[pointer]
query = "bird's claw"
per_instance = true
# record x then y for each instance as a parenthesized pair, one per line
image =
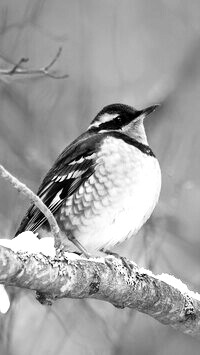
(126, 263)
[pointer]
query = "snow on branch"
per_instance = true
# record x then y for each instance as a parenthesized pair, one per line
(22, 188)
(70, 276)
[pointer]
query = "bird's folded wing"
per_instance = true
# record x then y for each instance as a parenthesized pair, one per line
(71, 169)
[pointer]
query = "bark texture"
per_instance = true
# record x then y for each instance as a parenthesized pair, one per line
(106, 279)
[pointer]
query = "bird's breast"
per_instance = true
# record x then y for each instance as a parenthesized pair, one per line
(117, 199)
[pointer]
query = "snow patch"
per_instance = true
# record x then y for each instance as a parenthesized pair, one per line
(47, 246)
(29, 242)
(179, 285)
(4, 300)
(173, 281)
(63, 288)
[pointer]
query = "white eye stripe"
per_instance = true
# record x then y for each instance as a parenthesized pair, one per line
(106, 117)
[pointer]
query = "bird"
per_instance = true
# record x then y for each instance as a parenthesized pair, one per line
(104, 186)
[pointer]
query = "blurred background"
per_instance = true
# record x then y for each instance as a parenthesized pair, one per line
(137, 52)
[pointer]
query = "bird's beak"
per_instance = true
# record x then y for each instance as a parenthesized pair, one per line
(150, 109)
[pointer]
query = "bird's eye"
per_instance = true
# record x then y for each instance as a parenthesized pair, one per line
(118, 121)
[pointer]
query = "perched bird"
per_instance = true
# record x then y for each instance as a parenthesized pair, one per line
(104, 185)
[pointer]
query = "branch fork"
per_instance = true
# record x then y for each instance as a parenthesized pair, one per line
(18, 69)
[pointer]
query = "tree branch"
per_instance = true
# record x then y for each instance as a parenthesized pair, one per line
(16, 69)
(162, 297)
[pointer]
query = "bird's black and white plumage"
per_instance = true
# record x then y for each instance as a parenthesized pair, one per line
(105, 184)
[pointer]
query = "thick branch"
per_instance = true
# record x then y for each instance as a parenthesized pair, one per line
(107, 279)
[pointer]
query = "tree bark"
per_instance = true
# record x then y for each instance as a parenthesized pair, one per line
(163, 297)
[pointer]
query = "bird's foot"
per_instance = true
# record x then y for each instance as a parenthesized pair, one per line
(126, 263)
(78, 245)
(65, 248)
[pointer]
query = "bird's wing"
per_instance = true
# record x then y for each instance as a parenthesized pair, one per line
(71, 169)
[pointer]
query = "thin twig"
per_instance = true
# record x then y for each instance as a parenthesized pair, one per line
(17, 66)
(17, 70)
(54, 59)
(22, 188)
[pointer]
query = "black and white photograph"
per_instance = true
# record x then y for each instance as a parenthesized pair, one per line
(99, 177)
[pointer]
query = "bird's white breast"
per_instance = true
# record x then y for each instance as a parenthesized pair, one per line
(117, 199)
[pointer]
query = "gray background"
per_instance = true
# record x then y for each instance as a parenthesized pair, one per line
(136, 52)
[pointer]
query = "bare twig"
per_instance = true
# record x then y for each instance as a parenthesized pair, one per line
(160, 296)
(17, 66)
(53, 60)
(22, 188)
(17, 70)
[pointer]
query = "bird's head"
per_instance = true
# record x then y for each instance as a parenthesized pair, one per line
(122, 118)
